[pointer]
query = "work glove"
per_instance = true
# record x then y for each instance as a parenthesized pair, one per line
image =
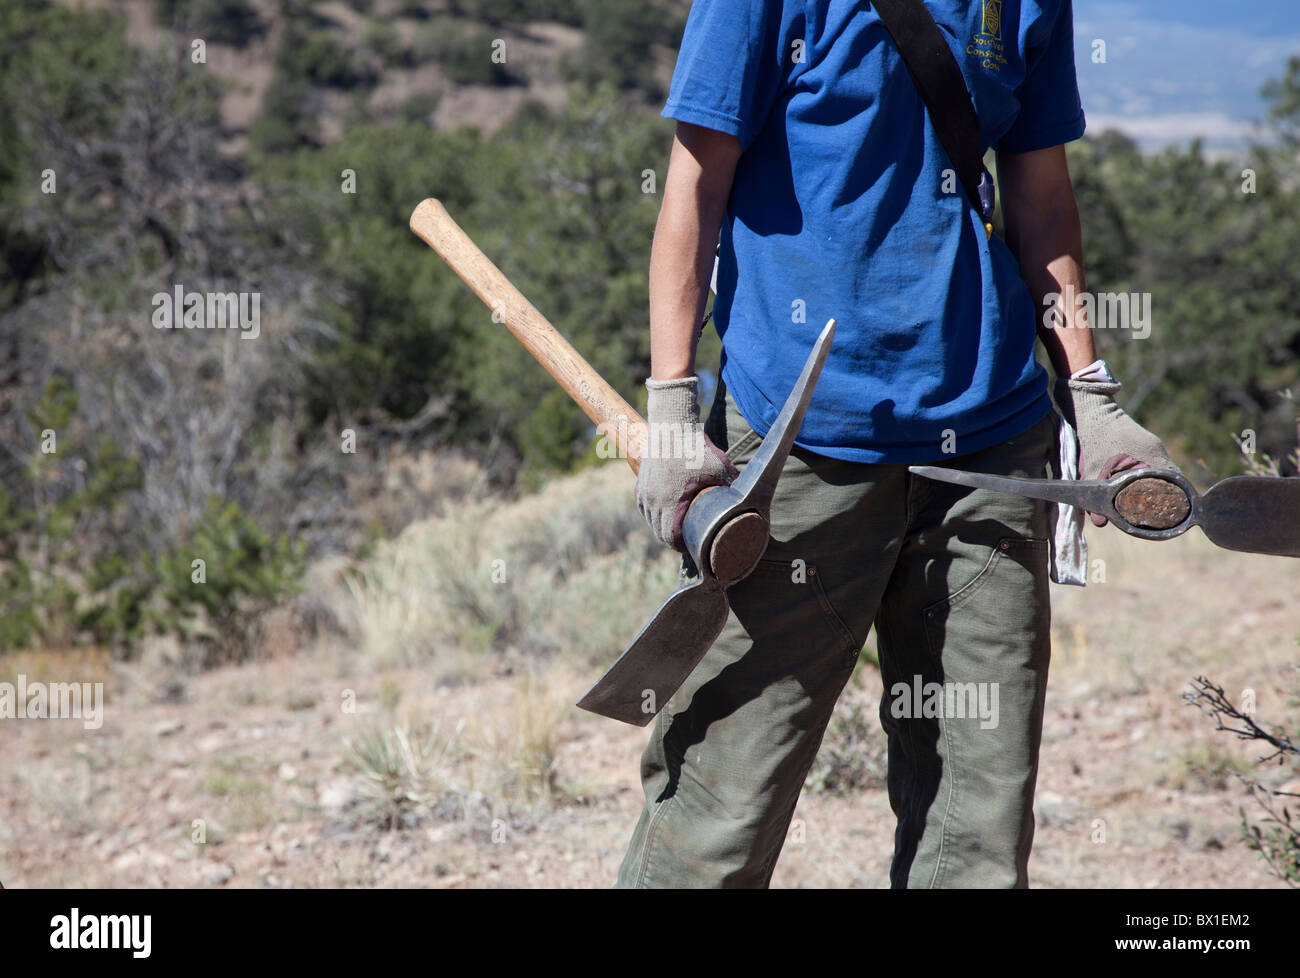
(1109, 440)
(678, 460)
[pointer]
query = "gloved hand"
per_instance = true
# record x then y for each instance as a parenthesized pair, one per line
(678, 460)
(1109, 440)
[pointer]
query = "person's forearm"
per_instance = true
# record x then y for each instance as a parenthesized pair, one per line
(681, 258)
(681, 263)
(1043, 230)
(1051, 261)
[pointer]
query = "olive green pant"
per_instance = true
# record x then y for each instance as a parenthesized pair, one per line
(956, 582)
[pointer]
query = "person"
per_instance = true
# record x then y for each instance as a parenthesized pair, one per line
(804, 156)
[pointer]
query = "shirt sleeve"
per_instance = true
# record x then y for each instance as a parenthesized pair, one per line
(1051, 112)
(730, 66)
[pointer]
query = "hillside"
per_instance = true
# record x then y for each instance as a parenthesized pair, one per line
(409, 60)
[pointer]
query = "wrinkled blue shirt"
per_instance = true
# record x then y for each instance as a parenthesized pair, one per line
(845, 205)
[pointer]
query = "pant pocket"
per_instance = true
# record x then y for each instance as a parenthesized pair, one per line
(1009, 592)
(771, 575)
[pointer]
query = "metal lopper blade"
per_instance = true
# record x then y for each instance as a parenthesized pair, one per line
(1248, 513)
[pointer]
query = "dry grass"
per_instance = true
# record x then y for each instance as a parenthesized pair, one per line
(402, 770)
(571, 569)
(521, 750)
(87, 665)
(497, 756)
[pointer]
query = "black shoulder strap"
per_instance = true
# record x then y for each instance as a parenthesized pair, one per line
(937, 77)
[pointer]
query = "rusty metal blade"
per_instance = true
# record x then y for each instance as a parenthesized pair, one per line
(1253, 514)
(660, 658)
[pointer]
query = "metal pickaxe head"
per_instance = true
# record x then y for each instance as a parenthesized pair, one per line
(726, 533)
(725, 528)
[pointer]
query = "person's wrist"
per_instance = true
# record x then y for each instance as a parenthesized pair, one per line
(1095, 372)
(1082, 401)
(673, 401)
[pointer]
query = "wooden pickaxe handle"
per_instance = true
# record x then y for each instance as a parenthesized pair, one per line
(600, 402)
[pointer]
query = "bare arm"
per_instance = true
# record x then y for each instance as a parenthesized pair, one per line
(700, 171)
(1042, 229)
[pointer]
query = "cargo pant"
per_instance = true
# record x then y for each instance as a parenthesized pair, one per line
(956, 582)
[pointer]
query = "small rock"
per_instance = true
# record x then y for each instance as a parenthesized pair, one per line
(1052, 809)
(165, 728)
(170, 690)
(336, 795)
(288, 772)
(221, 874)
(1180, 829)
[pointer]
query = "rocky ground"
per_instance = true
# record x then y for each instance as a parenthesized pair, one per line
(241, 777)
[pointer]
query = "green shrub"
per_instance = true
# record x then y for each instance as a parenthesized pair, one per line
(418, 108)
(234, 22)
(462, 51)
(852, 754)
(71, 572)
(319, 57)
(287, 119)
(520, 12)
(382, 40)
(244, 572)
(619, 43)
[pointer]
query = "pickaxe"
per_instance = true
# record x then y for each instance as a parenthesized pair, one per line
(725, 528)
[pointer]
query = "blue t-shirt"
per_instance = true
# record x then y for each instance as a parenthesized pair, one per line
(841, 208)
